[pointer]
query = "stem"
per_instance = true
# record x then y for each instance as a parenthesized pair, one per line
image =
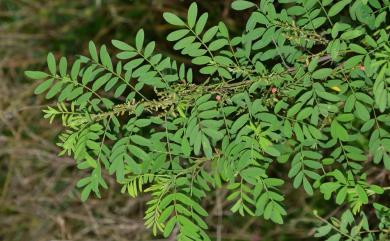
(333, 227)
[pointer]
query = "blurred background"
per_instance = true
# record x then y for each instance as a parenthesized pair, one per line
(38, 198)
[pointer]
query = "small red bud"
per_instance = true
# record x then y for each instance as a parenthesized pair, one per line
(274, 90)
(218, 98)
(362, 68)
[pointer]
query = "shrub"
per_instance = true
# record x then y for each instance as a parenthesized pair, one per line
(304, 88)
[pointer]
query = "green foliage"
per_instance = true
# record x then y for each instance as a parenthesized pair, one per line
(302, 87)
(350, 227)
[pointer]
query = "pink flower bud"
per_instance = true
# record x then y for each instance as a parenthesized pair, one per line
(218, 98)
(274, 90)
